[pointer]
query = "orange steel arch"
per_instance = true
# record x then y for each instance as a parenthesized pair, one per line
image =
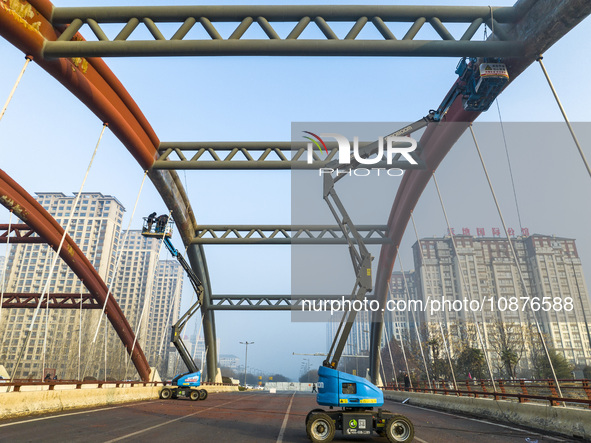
(27, 26)
(25, 207)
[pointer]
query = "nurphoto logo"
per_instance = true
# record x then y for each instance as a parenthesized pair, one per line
(386, 149)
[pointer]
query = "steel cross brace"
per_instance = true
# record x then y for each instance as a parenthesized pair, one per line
(266, 302)
(251, 156)
(21, 233)
(284, 234)
(56, 301)
(273, 30)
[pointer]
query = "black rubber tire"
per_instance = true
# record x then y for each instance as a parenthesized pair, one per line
(202, 394)
(165, 393)
(312, 412)
(194, 396)
(399, 429)
(320, 428)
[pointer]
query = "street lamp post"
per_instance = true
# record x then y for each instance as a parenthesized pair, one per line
(246, 357)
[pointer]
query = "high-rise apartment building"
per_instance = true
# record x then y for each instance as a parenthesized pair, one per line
(548, 286)
(397, 323)
(138, 280)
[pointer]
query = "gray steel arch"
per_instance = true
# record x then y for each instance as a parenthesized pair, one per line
(172, 192)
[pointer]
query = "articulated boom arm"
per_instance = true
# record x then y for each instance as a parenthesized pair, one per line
(361, 259)
(360, 256)
(177, 328)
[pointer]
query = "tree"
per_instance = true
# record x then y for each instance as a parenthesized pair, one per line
(438, 354)
(309, 377)
(471, 361)
(279, 378)
(562, 367)
(393, 353)
(228, 372)
(508, 341)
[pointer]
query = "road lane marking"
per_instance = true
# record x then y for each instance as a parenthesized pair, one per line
(171, 421)
(525, 431)
(90, 411)
(284, 424)
(420, 440)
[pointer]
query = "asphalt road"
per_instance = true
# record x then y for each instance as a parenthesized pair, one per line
(239, 417)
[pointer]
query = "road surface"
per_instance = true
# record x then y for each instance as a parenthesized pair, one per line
(239, 417)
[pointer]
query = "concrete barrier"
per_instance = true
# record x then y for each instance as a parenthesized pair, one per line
(567, 421)
(18, 404)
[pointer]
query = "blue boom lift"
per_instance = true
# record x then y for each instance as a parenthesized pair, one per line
(478, 84)
(185, 384)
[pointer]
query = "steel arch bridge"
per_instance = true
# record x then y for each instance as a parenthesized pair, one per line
(50, 36)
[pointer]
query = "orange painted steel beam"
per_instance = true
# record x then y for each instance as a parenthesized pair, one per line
(56, 301)
(26, 208)
(27, 27)
(21, 233)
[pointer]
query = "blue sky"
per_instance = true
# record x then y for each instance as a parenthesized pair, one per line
(47, 137)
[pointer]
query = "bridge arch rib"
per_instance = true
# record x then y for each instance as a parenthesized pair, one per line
(28, 27)
(25, 207)
(542, 24)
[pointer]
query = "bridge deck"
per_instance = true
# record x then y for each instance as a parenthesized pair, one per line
(238, 417)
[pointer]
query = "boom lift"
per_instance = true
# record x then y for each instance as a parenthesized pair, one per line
(187, 383)
(478, 85)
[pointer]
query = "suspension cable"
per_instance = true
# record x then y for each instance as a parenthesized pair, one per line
(147, 301)
(570, 128)
(414, 319)
(80, 335)
(438, 313)
(5, 264)
(118, 261)
(28, 58)
(465, 287)
(56, 257)
(198, 335)
(39, 329)
(511, 247)
(46, 330)
(105, 350)
(392, 362)
(401, 341)
(382, 338)
(113, 276)
(387, 343)
(509, 164)
(167, 317)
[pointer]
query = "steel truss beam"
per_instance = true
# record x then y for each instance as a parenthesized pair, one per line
(21, 233)
(254, 155)
(267, 302)
(276, 30)
(56, 301)
(285, 235)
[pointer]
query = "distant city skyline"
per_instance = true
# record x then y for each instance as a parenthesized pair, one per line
(146, 288)
(552, 270)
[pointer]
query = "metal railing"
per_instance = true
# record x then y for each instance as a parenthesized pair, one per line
(575, 392)
(50, 385)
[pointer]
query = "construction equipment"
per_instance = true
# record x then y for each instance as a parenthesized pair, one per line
(185, 384)
(355, 396)
(478, 84)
